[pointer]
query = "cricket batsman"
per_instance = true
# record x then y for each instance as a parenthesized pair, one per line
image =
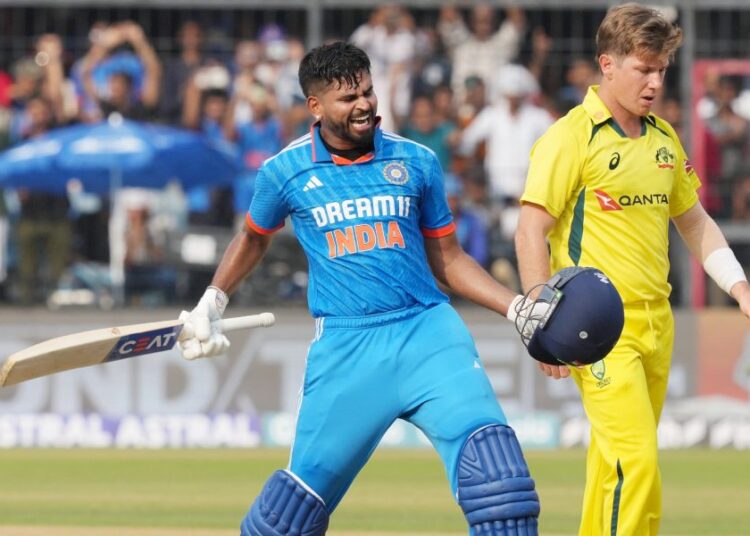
(603, 184)
(369, 209)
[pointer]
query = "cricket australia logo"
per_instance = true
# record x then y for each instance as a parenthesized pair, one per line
(396, 173)
(664, 159)
(599, 370)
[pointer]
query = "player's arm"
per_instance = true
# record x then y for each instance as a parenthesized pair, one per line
(458, 271)
(534, 222)
(134, 35)
(202, 335)
(707, 243)
(242, 255)
(202, 332)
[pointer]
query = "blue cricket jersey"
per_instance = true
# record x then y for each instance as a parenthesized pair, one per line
(361, 224)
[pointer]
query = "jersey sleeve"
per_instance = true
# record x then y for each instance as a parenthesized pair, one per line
(268, 209)
(685, 188)
(554, 170)
(436, 218)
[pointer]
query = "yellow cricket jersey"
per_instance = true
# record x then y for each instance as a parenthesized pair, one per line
(612, 196)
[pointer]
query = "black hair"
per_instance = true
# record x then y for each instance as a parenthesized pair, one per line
(125, 76)
(339, 61)
(215, 92)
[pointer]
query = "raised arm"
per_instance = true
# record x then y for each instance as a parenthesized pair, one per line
(133, 34)
(191, 105)
(49, 55)
(107, 39)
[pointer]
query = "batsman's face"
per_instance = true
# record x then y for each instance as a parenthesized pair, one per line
(635, 80)
(346, 112)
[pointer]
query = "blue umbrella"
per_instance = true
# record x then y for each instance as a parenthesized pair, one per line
(117, 153)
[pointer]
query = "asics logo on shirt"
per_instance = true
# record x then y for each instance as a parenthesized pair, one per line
(614, 161)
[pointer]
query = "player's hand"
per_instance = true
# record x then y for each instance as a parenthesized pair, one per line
(554, 371)
(526, 314)
(741, 293)
(201, 334)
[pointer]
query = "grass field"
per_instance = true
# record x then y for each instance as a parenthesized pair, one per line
(206, 493)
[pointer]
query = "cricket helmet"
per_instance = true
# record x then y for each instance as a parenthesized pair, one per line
(576, 319)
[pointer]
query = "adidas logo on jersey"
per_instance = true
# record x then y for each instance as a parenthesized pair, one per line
(313, 183)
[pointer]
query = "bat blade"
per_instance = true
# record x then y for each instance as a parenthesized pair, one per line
(89, 348)
(104, 345)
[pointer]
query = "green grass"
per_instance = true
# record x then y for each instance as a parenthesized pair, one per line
(706, 492)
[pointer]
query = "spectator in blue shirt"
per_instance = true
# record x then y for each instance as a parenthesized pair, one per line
(471, 228)
(257, 139)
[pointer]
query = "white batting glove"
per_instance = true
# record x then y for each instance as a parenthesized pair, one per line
(526, 314)
(201, 334)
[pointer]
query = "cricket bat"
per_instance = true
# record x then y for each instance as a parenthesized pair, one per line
(104, 346)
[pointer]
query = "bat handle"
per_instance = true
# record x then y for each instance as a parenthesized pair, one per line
(261, 320)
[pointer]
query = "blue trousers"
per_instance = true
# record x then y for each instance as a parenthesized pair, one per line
(418, 364)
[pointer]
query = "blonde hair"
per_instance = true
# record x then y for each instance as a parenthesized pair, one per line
(635, 29)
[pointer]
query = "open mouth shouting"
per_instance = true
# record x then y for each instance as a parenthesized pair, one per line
(362, 124)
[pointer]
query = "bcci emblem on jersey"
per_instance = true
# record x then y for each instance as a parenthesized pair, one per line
(396, 173)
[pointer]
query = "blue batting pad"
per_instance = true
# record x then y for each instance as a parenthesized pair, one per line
(495, 489)
(285, 507)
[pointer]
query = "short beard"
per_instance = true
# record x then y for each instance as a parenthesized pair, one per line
(342, 131)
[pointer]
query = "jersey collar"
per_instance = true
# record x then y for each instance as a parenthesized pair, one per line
(600, 114)
(321, 154)
(594, 106)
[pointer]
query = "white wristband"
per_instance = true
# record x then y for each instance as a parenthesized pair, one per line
(722, 266)
(217, 297)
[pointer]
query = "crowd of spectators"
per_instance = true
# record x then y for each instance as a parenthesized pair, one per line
(472, 87)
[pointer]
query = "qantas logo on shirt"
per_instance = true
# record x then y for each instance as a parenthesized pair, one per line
(606, 202)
